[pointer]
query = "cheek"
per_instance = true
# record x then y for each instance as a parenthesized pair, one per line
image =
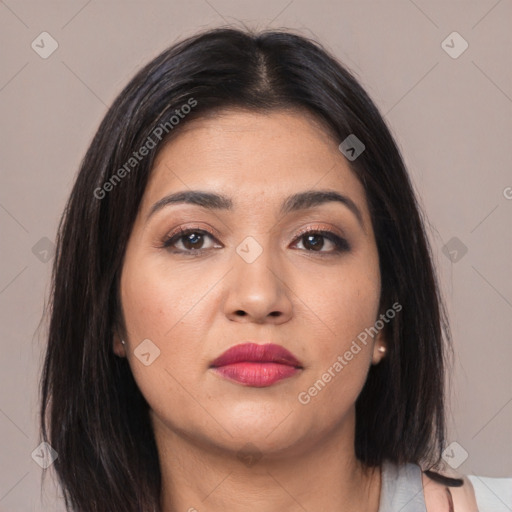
(157, 300)
(156, 306)
(160, 306)
(353, 308)
(343, 300)
(345, 306)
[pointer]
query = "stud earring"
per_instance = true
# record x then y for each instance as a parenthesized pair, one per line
(123, 342)
(382, 349)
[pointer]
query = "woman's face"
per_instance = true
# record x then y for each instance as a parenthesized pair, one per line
(246, 272)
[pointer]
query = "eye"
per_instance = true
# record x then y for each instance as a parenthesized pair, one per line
(192, 241)
(314, 241)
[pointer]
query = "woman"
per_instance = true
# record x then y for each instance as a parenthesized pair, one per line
(244, 312)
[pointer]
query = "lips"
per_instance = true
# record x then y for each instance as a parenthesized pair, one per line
(256, 353)
(257, 365)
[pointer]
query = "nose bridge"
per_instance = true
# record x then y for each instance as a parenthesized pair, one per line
(254, 262)
(257, 287)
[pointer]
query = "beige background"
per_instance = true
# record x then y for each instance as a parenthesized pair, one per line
(452, 118)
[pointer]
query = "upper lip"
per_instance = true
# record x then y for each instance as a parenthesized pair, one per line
(254, 352)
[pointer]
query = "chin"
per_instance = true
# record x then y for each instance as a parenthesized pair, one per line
(269, 430)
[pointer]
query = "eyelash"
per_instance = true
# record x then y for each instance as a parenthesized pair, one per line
(341, 245)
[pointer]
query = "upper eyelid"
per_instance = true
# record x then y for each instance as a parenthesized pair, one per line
(301, 231)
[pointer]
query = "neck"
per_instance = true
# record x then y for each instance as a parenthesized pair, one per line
(325, 476)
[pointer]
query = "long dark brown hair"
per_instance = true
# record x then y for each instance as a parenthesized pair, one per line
(92, 412)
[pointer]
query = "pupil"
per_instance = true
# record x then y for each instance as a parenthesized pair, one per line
(314, 245)
(190, 237)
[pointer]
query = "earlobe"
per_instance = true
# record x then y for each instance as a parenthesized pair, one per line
(380, 347)
(379, 352)
(119, 346)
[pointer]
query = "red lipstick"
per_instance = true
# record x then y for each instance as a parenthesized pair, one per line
(256, 365)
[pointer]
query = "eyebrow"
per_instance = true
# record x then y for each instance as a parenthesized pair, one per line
(293, 203)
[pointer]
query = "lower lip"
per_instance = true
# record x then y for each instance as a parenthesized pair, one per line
(258, 375)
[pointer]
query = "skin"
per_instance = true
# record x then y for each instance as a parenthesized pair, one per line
(436, 500)
(290, 295)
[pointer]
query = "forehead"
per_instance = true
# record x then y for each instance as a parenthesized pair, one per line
(255, 158)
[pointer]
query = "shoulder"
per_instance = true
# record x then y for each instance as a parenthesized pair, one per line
(441, 498)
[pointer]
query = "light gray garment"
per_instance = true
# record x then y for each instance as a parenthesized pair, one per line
(401, 488)
(492, 494)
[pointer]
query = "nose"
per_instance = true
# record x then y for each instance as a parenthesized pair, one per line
(258, 291)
